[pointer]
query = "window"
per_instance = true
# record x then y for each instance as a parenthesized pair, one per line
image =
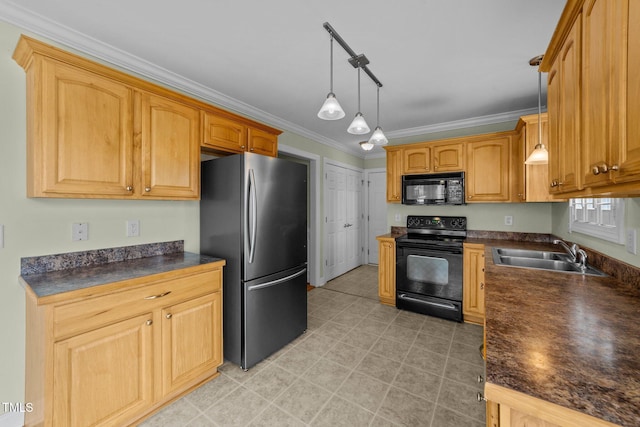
(602, 218)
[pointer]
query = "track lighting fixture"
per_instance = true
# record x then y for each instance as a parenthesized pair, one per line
(359, 125)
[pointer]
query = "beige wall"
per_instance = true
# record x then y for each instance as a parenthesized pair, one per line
(43, 226)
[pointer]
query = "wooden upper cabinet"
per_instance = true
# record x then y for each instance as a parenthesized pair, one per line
(227, 134)
(601, 38)
(416, 160)
(628, 149)
(594, 99)
(170, 148)
(448, 157)
(79, 134)
(224, 133)
(394, 174)
(488, 169)
(261, 142)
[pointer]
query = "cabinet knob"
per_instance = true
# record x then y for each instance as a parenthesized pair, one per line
(480, 397)
(251, 149)
(149, 322)
(469, 197)
(480, 379)
(481, 285)
(129, 188)
(242, 146)
(147, 189)
(169, 316)
(435, 167)
(615, 168)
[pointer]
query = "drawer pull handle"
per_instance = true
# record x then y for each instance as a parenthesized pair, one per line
(169, 316)
(158, 296)
(149, 322)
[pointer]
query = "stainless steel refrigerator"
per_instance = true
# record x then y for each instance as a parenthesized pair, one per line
(253, 213)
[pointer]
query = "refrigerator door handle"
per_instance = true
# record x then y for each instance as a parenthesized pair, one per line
(252, 205)
(278, 281)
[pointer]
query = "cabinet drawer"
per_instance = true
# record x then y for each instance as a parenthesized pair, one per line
(71, 319)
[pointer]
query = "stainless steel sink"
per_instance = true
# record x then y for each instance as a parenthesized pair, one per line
(541, 260)
(527, 253)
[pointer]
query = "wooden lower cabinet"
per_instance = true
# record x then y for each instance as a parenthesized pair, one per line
(123, 351)
(473, 283)
(387, 270)
(510, 408)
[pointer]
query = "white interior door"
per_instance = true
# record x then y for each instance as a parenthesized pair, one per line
(343, 217)
(376, 212)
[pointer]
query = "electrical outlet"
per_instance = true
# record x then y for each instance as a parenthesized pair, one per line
(398, 217)
(508, 220)
(632, 243)
(133, 228)
(79, 231)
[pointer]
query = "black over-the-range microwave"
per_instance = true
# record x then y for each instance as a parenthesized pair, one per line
(433, 189)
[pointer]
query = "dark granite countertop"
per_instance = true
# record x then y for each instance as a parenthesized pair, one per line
(50, 276)
(568, 339)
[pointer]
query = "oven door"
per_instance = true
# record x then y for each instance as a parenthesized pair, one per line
(429, 281)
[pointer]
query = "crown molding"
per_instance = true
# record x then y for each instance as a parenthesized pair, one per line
(461, 124)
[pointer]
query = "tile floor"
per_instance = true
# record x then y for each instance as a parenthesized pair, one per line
(360, 363)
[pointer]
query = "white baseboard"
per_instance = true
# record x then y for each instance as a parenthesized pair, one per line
(12, 419)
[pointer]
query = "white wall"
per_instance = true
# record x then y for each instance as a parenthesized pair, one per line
(43, 226)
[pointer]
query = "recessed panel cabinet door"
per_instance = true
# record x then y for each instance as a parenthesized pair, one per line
(191, 340)
(170, 135)
(487, 178)
(85, 145)
(104, 377)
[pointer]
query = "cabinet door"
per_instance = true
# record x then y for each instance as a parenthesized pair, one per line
(599, 69)
(416, 160)
(629, 146)
(387, 271)
(448, 157)
(191, 341)
(224, 134)
(104, 377)
(261, 142)
(473, 284)
(536, 177)
(487, 177)
(86, 144)
(170, 156)
(568, 75)
(394, 175)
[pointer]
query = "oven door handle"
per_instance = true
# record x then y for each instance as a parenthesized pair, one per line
(437, 304)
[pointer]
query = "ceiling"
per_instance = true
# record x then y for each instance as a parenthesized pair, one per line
(443, 64)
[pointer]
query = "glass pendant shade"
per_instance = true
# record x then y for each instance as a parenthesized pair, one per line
(366, 145)
(539, 156)
(359, 125)
(331, 109)
(378, 137)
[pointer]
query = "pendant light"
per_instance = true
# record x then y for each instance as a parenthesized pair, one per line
(366, 145)
(359, 125)
(378, 137)
(540, 155)
(331, 109)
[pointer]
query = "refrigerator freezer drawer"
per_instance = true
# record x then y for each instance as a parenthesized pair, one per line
(275, 313)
